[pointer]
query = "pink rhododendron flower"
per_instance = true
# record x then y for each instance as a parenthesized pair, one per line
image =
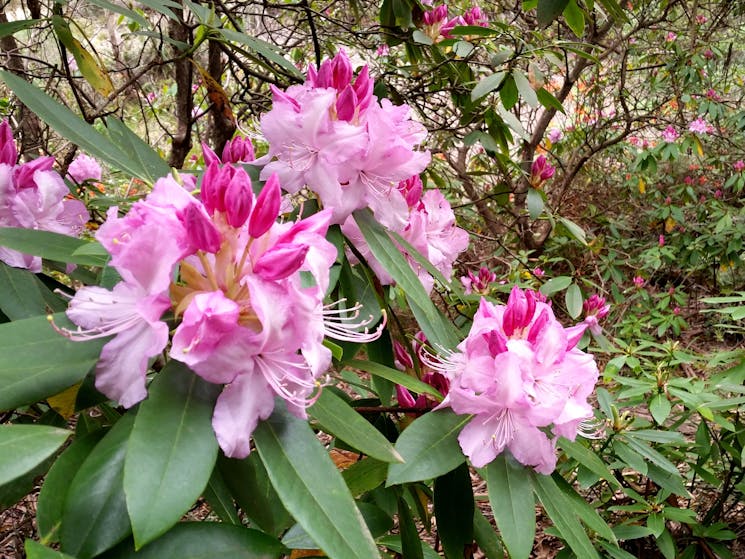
(669, 134)
(430, 229)
(699, 126)
(671, 36)
(540, 171)
(231, 273)
(474, 16)
(538, 272)
(638, 282)
(84, 168)
(520, 375)
(334, 136)
(555, 135)
(405, 362)
(478, 283)
(33, 196)
(738, 165)
(595, 309)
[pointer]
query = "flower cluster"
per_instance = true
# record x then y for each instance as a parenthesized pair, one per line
(34, 196)
(478, 283)
(405, 362)
(521, 376)
(540, 171)
(429, 227)
(333, 136)
(231, 273)
(436, 22)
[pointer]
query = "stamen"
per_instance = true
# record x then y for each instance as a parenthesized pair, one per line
(208, 270)
(447, 364)
(279, 383)
(340, 324)
(591, 428)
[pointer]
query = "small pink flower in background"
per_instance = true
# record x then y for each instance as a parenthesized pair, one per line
(699, 126)
(478, 283)
(676, 311)
(718, 194)
(84, 168)
(382, 50)
(595, 309)
(540, 171)
(151, 97)
(661, 240)
(555, 135)
(701, 19)
(34, 196)
(633, 140)
(668, 200)
(639, 282)
(688, 180)
(521, 376)
(474, 16)
(713, 95)
(670, 134)
(538, 272)
(671, 36)
(738, 165)
(708, 54)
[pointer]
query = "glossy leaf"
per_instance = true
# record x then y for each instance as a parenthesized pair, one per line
(217, 494)
(338, 418)
(171, 451)
(20, 293)
(411, 546)
(486, 537)
(535, 203)
(365, 475)
(311, 487)
(439, 331)
(53, 493)
(554, 285)
(35, 550)
(22, 447)
(583, 510)
(396, 377)
(526, 90)
(52, 246)
(394, 543)
(72, 127)
(36, 361)
(575, 18)
(513, 505)
(429, 447)
(204, 540)
(563, 514)
(588, 459)
(95, 512)
(549, 10)
(454, 509)
(487, 85)
(250, 486)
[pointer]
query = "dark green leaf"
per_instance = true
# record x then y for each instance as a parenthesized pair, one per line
(513, 505)
(563, 512)
(394, 543)
(171, 451)
(52, 246)
(652, 455)
(411, 546)
(486, 537)
(95, 513)
(575, 18)
(588, 459)
(364, 476)
(11, 27)
(535, 203)
(584, 511)
(71, 126)
(53, 493)
(548, 100)
(508, 92)
(204, 540)
(660, 407)
(439, 331)
(35, 550)
(149, 163)
(454, 509)
(22, 447)
(250, 485)
(574, 230)
(20, 293)
(667, 480)
(217, 494)
(487, 85)
(554, 285)
(630, 457)
(526, 90)
(429, 447)
(395, 376)
(549, 10)
(573, 300)
(339, 419)
(36, 361)
(311, 487)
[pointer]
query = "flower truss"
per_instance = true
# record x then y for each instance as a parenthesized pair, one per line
(33, 196)
(236, 279)
(520, 375)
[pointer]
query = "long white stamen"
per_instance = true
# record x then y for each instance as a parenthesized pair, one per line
(445, 361)
(342, 324)
(276, 375)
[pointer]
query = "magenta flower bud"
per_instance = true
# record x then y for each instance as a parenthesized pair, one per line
(540, 171)
(402, 357)
(238, 150)
(412, 189)
(519, 311)
(638, 282)
(341, 71)
(538, 325)
(404, 397)
(266, 209)
(210, 156)
(437, 381)
(215, 182)
(363, 88)
(203, 235)
(596, 306)
(8, 151)
(280, 261)
(661, 240)
(738, 165)
(346, 104)
(238, 199)
(496, 342)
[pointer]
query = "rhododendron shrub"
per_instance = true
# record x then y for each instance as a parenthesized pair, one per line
(222, 321)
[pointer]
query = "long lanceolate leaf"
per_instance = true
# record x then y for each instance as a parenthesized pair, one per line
(312, 488)
(37, 362)
(75, 129)
(439, 331)
(24, 446)
(513, 505)
(171, 451)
